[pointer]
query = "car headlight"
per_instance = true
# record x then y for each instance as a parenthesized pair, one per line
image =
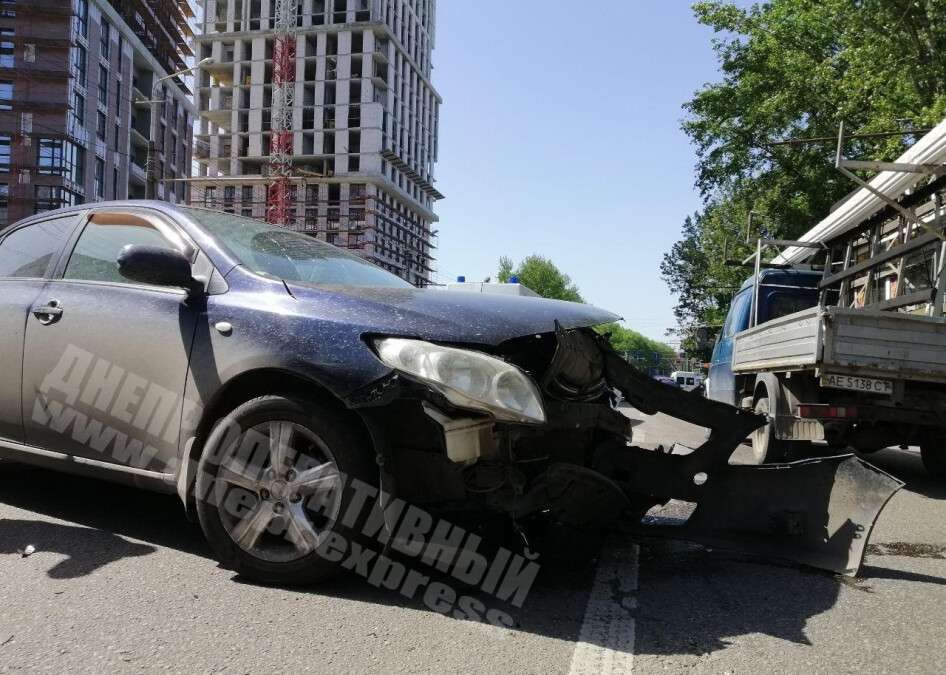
(468, 379)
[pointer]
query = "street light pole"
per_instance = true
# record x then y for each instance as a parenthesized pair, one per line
(150, 173)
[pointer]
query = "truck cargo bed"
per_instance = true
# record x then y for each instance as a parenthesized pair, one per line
(842, 340)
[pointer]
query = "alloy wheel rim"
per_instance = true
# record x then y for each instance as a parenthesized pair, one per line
(278, 491)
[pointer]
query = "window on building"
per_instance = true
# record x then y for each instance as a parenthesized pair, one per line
(73, 163)
(4, 202)
(103, 85)
(100, 177)
(5, 140)
(105, 39)
(8, 8)
(60, 158)
(6, 95)
(49, 197)
(82, 17)
(246, 194)
(78, 64)
(7, 48)
(78, 108)
(49, 157)
(101, 124)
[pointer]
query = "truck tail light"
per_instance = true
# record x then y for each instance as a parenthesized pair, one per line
(826, 411)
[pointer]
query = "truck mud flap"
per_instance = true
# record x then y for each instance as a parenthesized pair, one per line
(817, 512)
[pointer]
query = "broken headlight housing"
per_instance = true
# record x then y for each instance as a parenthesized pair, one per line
(466, 378)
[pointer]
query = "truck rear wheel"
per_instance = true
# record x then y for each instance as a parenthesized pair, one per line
(933, 454)
(766, 447)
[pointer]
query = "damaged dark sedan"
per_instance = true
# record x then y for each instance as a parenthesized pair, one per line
(258, 372)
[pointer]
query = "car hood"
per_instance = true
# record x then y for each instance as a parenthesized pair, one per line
(445, 316)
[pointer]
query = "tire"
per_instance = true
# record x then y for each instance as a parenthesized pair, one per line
(933, 454)
(766, 448)
(273, 481)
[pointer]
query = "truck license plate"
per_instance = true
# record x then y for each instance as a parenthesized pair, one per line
(868, 385)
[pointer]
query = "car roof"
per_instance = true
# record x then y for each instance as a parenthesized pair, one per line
(179, 213)
(164, 207)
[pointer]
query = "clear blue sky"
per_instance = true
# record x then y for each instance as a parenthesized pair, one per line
(560, 135)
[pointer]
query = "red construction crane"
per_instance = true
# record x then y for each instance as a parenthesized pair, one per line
(284, 86)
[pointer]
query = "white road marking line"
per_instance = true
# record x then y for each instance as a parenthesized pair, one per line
(606, 642)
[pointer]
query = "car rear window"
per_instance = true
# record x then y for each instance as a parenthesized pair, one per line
(28, 251)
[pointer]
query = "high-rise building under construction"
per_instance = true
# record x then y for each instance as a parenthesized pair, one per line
(320, 115)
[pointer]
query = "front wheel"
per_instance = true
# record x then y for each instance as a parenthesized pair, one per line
(273, 482)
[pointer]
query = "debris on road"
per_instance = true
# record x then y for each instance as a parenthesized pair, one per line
(26, 552)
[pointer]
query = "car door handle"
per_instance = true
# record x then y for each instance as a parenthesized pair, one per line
(48, 313)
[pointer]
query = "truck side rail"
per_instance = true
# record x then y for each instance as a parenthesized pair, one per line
(790, 342)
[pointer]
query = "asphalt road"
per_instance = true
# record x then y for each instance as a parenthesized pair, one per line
(122, 581)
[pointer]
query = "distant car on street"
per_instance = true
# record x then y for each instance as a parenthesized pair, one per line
(688, 381)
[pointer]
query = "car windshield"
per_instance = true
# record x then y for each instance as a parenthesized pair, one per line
(292, 256)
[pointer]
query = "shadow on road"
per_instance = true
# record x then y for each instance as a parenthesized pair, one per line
(694, 602)
(111, 511)
(691, 601)
(86, 550)
(908, 467)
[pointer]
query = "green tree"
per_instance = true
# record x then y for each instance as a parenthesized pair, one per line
(542, 276)
(640, 349)
(796, 69)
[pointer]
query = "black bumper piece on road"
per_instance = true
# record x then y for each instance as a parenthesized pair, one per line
(816, 512)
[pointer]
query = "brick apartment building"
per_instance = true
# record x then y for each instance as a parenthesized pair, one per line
(75, 78)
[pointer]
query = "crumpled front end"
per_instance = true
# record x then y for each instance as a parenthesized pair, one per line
(567, 481)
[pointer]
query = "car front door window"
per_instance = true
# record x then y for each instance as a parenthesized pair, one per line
(105, 235)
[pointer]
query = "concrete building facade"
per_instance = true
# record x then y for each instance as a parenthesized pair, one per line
(365, 123)
(75, 76)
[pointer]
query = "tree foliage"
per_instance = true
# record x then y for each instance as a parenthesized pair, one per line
(795, 69)
(637, 347)
(542, 276)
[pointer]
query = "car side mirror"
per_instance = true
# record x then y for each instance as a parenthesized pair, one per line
(156, 266)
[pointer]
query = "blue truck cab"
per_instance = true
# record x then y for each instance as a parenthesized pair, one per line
(781, 292)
